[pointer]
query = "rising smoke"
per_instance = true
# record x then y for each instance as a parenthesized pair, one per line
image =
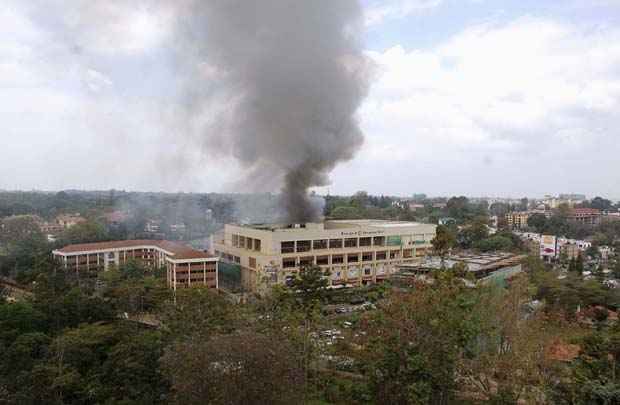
(293, 75)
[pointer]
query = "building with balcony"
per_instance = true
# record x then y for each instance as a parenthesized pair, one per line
(517, 220)
(185, 267)
(585, 216)
(355, 252)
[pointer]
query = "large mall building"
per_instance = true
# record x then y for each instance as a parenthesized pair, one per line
(356, 252)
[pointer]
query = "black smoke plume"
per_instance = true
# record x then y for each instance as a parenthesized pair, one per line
(293, 75)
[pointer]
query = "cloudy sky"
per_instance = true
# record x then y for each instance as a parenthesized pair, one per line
(475, 97)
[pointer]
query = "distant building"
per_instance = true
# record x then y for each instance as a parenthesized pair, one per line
(415, 206)
(517, 220)
(585, 216)
(177, 228)
(67, 221)
(573, 197)
(605, 252)
(115, 218)
(446, 221)
(184, 266)
(570, 251)
(356, 252)
(153, 226)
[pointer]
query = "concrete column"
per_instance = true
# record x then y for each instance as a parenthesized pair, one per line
(189, 274)
(204, 272)
(174, 276)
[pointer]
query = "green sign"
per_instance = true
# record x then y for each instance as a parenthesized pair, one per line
(394, 240)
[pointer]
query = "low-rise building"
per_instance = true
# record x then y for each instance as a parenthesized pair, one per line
(483, 267)
(184, 266)
(354, 251)
(585, 216)
(66, 221)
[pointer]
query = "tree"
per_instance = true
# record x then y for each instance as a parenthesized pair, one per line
(417, 339)
(472, 234)
(241, 368)
(592, 252)
(344, 212)
(310, 286)
(579, 264)
(458, 208)
(199, 311)
(538, 222)
(85, 232)
(600, 203)
(443, 241)
(499, 209)
(495, 243)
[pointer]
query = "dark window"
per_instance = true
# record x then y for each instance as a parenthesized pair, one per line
(335, 243)
(257, 245)
(322, 260)
(353, 258)
(303, 245)
(319, 244)
(306, 261)
(287, 247)
(288, 263)
(242, 242)
(394, 254)
(365, 241)
(252, 262)
(350, 242)
(367, 257)
(367, 271)
(337, 259)
(379, 240)
(235, 240)
(381, 255)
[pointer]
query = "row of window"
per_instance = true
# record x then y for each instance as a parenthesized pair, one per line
(301, 246)
(291, 262)
(245, 242)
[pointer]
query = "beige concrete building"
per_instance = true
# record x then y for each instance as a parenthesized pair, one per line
(517, 220)
(355, 252)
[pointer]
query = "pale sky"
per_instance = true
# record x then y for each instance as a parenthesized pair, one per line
(474, 97)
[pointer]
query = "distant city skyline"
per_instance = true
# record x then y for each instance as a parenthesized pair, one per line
(470, 97)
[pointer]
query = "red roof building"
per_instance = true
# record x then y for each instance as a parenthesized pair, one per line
(184, 265)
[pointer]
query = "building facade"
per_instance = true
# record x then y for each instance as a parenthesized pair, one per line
(517, 220)
(585, 216)
(355, 252)
(184, 266)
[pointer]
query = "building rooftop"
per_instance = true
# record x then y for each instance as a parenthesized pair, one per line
(333, 224)
(177, 250)
(475, 262)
